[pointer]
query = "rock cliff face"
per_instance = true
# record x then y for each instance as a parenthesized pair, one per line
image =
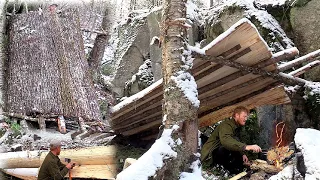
(305, 23)
(136, 41)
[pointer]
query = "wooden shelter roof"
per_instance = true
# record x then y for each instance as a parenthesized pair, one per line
(220, 87)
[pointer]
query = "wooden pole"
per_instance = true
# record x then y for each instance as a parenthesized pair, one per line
(304, 69)
(300, 60)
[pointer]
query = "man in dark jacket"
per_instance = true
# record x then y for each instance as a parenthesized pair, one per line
(52, 168)
(224, 148)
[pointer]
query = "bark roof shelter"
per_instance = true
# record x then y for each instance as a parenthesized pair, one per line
(47, 70)
(221, 88)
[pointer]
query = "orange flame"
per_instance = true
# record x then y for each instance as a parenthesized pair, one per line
(277, 164)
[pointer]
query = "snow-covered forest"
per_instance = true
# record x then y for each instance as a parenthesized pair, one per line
(133, 89)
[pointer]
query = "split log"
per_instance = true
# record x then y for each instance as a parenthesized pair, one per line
(304, 69)
(22, 159)
(300, 60)
(85, 171)
(238, 176)
(101, 155)
(264, 166)
(23, 173)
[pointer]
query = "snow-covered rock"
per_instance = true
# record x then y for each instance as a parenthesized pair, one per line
(308, 142)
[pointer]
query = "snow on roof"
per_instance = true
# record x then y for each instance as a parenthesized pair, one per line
(147, 165)
(136, 97)
(225, 34)
(308, 141)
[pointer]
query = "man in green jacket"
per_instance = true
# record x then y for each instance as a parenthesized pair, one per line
(223, 146)
(52, 168)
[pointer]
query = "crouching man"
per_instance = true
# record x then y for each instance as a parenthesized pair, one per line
(223, 146)
(52, 168)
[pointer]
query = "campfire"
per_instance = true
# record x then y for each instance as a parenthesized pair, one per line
(276, 156)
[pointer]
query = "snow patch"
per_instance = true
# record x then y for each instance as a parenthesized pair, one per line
(147, 165)
(196, 172)
(286, 173)
(308, 141)
(187, 84)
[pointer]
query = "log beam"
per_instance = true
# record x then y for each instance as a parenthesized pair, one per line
(304, 69)
(300, 60)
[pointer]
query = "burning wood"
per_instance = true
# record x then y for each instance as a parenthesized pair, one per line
(278, 154)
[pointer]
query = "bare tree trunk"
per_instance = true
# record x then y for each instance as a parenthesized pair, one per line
(100, 43)
(2, 48)
(178, 109)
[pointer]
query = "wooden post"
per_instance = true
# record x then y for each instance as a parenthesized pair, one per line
(42, 124)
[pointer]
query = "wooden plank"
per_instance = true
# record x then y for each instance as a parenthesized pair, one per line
(22, 159)
(243, 33)
(156, 123)
(239, 99)
(261, 99)
(242, 91)
(94, 171)
(142, 109)
(156, 115)
(154, 92)
(84, 171)
(230, 84)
